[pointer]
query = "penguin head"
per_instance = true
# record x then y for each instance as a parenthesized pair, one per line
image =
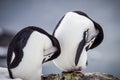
(52, 52)
(89, 42)
(96, 40)
(99, 37)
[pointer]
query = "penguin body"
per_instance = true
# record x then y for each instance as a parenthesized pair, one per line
(76, 33)
(27, 51)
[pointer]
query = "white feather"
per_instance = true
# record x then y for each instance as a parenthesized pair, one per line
(69, 34)
(30, 67)
(50, 50)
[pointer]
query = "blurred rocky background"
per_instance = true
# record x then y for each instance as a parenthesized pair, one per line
(17, 14)
(5, 39)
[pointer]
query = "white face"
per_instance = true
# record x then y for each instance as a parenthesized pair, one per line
(70, 34)
(89, 43)
(48, 53)
(46, 57)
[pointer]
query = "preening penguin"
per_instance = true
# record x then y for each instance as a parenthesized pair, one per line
(31, 47)
(76, 33)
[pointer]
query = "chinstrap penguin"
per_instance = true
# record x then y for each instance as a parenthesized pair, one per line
(31, 47)
(77, 33)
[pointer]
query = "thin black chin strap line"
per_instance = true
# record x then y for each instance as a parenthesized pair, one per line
(80, 48)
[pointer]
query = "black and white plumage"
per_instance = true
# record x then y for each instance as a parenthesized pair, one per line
(31, 47)
(76, 33)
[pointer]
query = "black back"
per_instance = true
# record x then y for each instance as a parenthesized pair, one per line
(18, 43)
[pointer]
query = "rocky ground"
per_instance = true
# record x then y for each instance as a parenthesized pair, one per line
(65, 76)
(80, 76)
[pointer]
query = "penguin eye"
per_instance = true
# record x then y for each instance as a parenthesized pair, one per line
(91, 42)
(93, 39)
(47, 57)
(51, 55)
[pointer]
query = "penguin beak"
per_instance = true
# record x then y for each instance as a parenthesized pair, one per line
(80, 48)
(48, 54)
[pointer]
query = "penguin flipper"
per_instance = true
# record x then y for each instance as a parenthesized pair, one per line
(80, 48)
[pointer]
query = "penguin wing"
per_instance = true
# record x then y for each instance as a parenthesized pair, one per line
(80, 47)
(16, 47)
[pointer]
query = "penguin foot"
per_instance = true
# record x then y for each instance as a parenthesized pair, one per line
(78, 69)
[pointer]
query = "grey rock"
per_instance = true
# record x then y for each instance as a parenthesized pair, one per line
(79, 76)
